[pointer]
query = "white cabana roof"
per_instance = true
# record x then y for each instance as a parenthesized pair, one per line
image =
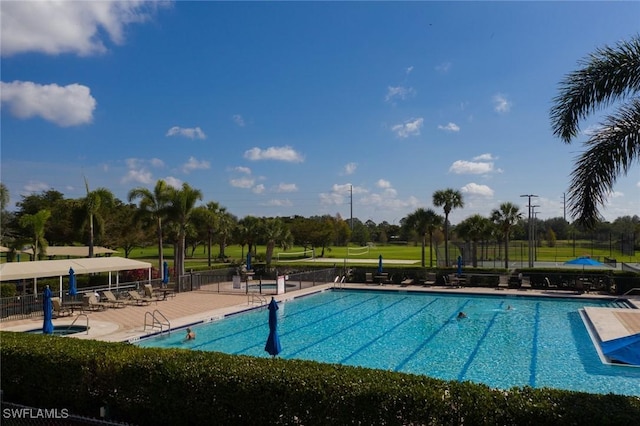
(57, 268)
(75, 251)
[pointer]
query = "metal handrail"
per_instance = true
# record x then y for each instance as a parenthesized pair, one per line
(252, 297)
(155, 321)
(626, 294)
(77, 318)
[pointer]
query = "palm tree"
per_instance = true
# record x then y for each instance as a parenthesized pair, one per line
(473, 228)
(424, 221)
(181, 202)
(275, 231)
(153, 206)
(36, 224)
(93, 206)
(449, 199)
(608, 75)
(226, 225)
(505, 217)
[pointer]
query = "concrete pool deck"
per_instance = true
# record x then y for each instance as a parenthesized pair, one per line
(127, 324)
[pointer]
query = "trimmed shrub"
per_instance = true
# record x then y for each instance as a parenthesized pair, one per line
(151, 386)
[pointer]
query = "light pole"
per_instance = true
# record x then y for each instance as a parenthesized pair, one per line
(529, 196)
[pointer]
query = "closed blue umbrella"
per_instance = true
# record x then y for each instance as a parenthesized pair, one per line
(273, 341)
(379, 264)
(249, 261)
(165, 272)
(459, 265)
(47, 326)
(72, 283)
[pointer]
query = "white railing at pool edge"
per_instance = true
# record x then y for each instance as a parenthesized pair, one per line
(253, 298)
(77, 318)
(155, 322)
(626, 294)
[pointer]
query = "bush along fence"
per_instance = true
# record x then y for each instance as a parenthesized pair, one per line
(149, 386)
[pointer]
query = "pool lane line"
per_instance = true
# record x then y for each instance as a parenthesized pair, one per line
(241, 351)
(254, 327)
(453, 316)
(343, 329)
(385, 332)
(534, 349)
(473, 354)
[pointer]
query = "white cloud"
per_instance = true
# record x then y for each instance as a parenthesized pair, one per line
(194, 164)
(142, 176)
(444, 67)
(287, 187)
(501, 104)
(340, 193)
(471, 167)
(284, 153)
(409, 69)
(242, 169)
(383, 184)
(615, 194)
(65, 106)
(477, 189)
(173, 182)
(242, 183)
(484, 157)
(399, 92)
(279, 203)
(638, 184)
(409, 128)
(239, 120)
(80, 27)
(258, 189)
(350, 168)
(451, 127)
(187, 132)
(156, 162)
(33, 186)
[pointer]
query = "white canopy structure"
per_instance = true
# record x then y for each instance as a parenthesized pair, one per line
(74, 251)
(11, 271)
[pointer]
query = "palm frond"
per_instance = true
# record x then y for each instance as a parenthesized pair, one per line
(612, 151)
(607, 75)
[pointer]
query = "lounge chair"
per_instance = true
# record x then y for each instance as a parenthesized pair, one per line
(406, 282)
(92, 303)
(149, 292)
(112, 301)
(136, 299)
(58, 309)
(368, 277)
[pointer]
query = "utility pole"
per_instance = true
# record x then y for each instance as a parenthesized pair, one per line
(564, 206)
(529, 196)
(351, 201)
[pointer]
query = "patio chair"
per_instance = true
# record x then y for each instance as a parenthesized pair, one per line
(92, 304)
(58, 309)
(112, 301)
(149, 292)
(368, 277)
(136, 299)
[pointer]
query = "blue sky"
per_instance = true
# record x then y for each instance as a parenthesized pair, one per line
(280, 108)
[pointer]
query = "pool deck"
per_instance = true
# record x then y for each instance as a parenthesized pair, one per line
(127, 324)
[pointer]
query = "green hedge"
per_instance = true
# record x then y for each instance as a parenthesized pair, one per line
(172, 386)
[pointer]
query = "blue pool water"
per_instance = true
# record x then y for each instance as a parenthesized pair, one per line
(539, 342)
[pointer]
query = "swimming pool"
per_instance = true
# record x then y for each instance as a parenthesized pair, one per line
(62, 330)
(538, 342)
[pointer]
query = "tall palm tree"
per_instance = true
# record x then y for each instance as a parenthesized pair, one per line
(505, 217)
(608, 75)
(275, 232)
(153, 206)
(181, 202)
(424, 221)
(226, 225)
(36, 224)
(473, 229)
(448, 199)
(93, 205)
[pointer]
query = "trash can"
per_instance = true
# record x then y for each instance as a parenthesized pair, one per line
(237, 283)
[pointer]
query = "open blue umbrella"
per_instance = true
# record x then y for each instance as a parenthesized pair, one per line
(72, 283)
(273, 341)
(379, 264)
(459, 266)
(165, 272)
(47, 326)
(584, 261)
(249, 261)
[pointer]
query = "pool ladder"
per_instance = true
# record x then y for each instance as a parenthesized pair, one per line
(256, 298)
(626, 294)
(155, 322)
(77, 318)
